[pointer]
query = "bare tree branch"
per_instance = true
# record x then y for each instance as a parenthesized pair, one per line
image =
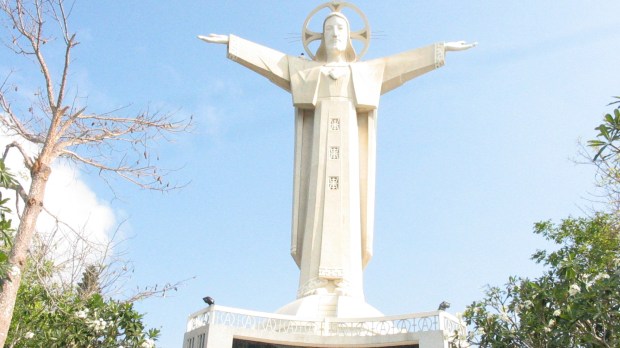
(13, 122)
(155, 291)
(135, 175)
(27, 158)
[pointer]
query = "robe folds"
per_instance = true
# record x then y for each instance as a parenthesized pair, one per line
(335, 150)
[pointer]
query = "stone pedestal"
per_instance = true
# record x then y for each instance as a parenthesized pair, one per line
(221, 327)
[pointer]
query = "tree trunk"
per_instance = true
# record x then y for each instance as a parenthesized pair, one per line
(19, 253)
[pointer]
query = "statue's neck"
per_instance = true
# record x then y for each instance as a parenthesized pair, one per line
(336, 64)
(336, 58)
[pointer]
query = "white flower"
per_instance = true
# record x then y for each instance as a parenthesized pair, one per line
(574, 290)
(502, 314)
(82, 314)
(527, 304)
(29, 335)
(504, 317)
(601, 276)
(148, 343)
(551, 322)
(557, 312)
(98, 324)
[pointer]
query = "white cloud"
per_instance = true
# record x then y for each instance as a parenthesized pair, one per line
(76, 225)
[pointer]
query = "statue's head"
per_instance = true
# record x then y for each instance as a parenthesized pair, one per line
(336, 39)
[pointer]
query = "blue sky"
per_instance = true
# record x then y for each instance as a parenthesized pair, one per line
(469, 156)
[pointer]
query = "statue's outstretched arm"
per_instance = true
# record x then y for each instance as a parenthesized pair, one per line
(459, 45)
(215, 38)
(402, 67)
(405, 66)
(260, 59)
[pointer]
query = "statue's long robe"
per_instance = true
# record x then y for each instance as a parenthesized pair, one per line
(335, 140)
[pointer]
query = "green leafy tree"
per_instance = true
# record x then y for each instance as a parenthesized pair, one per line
(575, 303)
(90, 281)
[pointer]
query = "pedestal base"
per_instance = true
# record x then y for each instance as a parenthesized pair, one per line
(221, 327)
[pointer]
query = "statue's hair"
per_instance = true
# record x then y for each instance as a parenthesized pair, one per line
(349, 53)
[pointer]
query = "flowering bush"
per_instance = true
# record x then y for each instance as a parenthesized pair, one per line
(50, 317)
(575, 303)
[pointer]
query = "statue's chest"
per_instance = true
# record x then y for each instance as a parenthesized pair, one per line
(335, 82)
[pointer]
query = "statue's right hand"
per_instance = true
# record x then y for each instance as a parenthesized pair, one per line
(215, 38)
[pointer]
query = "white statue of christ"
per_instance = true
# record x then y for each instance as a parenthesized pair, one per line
(335, 99)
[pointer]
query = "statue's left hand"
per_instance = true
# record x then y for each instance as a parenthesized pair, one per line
(459, 46)
(215, 38)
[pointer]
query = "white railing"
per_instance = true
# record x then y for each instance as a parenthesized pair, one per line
(275, 323)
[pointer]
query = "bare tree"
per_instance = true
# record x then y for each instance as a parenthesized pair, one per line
(61, 126)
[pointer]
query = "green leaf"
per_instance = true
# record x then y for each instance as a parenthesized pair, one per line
(599, 153)
(604, 131)
(596, 143)
(609, 119)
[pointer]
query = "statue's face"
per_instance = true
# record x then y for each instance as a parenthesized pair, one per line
(336, 34)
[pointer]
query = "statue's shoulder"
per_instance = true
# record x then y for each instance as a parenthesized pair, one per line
(302, 63)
